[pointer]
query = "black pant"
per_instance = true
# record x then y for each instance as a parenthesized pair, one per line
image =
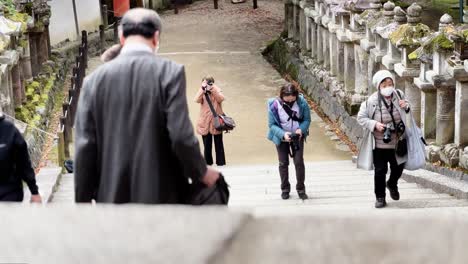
(219, 148)
(381, 159)
(283, 157)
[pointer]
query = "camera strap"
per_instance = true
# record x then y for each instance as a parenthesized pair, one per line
(210, 104)
(390, 111)
(291, 113)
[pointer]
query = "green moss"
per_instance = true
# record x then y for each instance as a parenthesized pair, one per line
(442, 42)
(438, 41)
(37, 96)
(12, 14)
(401, 4)
(408, 35)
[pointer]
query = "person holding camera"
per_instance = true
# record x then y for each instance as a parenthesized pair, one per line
(205, 125)
(383, 117)
(288, 122)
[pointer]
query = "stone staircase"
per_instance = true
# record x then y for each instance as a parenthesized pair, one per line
(47, 180)
(331, 185)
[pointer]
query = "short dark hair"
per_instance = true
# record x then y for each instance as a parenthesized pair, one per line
(141, 22)
(208, 79)
(288, 89)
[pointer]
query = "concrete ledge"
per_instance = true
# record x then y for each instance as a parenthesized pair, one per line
(116, 234)
(180, 234)
(438, 182)
(362, 238)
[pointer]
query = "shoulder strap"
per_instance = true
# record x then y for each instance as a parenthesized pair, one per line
(211, 105)
(291, 114)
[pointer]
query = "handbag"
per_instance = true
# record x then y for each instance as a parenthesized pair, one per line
(221, 122)
(365, 158)
(218, 194)
(416, 146)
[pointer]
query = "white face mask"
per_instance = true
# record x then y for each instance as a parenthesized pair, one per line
(387, 91)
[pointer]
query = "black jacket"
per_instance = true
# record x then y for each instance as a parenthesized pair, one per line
(134, 140)
(15, 164)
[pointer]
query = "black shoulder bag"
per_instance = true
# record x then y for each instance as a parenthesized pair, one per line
(221, 122)
(218, 194)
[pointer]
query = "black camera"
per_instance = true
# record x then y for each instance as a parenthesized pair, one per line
(387, 136)
(295, 146)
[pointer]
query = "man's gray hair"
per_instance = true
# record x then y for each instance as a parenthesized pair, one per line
(141, 21)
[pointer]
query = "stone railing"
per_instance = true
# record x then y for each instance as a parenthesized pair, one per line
(350, 40)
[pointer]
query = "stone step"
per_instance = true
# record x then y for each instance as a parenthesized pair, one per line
(47, 180)
(65, 191)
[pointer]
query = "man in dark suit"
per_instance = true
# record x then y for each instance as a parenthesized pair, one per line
(134, 140)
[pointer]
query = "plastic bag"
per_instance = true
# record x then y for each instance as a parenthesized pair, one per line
(416, 146)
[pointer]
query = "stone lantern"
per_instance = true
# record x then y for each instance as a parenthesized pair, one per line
(458, 69)
(338, 40)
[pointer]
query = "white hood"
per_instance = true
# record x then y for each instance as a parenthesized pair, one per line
(380, 76)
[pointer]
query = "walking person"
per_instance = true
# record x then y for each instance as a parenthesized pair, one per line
(134, 140)
(15, 165)
(205, 125)
(288, 122)
(383, 117)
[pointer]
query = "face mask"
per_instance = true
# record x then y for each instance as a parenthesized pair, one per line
(387, 91)
(290, 104)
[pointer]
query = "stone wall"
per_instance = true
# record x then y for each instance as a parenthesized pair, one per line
(65, 59)
(333, 48)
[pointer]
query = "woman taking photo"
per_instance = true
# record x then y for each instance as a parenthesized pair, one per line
(288, 122)
(205, 125)
(383, 117)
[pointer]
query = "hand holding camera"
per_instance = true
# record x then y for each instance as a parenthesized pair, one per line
(380, 127)
(207, 86)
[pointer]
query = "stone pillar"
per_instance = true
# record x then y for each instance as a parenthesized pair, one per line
(445, 85)
(42, 49)
(308, 30)
(349, 67)
(34, 54)
(319, 54)
(313, 39)
(289, 18)
(326, 48)
(460, 73)
(17, 88)
(26, 60)
(333, 44)
(6, 95)
(296, 30)
(428, 101)
(461, 114)
(302, 27)
(445, 127)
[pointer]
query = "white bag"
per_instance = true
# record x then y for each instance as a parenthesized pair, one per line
(365, 158)
(416, 146)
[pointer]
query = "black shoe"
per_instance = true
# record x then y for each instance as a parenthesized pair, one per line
(380, 203)
(394, 193)
(285, 195)
(303, 196)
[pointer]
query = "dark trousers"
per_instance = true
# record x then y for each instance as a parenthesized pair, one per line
(381, 159)
(219, 149)
(283, 157)
(11, 195)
